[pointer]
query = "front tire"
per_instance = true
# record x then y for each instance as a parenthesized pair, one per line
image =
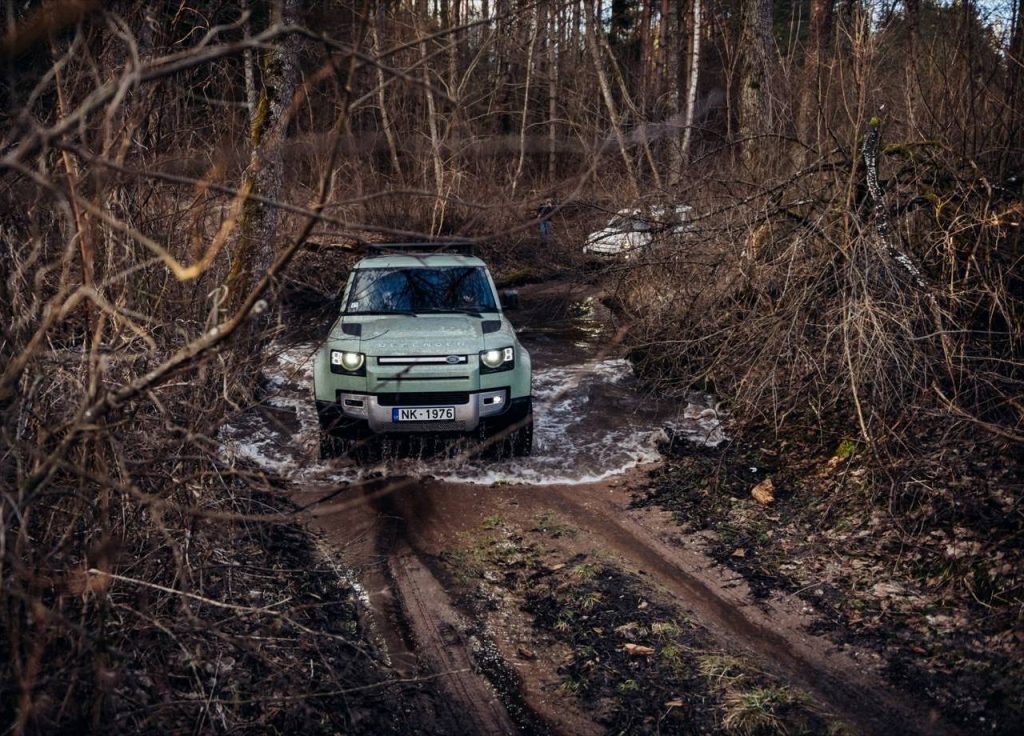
(332, 446)
(516, 433)
(521, 441)
(340, 436)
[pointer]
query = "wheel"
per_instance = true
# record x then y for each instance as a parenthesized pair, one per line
(521, 441)
(331, 446)
(341, 436)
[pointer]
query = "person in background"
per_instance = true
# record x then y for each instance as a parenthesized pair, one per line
(544, 213)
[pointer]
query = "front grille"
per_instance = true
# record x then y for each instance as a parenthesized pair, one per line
(426, 427)
(423, 360)
(431, 398)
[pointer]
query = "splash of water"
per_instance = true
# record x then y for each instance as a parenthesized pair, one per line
(590, 424)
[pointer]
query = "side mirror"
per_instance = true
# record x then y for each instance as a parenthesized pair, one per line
(509, 299)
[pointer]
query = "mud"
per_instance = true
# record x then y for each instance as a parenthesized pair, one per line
(429, 517)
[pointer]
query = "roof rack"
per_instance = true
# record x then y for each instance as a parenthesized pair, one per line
(458, 247)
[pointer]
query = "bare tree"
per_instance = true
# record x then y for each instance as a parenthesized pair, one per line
(758, 76)
(257, 242)
(614, 120)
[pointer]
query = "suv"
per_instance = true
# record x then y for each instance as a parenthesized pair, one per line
(630, 232)
(422, 346)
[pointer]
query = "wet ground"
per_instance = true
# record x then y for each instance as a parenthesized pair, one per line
(590, 421)
(468, 567)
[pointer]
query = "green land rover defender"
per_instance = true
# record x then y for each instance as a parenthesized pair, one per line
(422, 346)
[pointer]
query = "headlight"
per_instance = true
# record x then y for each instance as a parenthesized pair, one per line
(343, 361)
(502, 359)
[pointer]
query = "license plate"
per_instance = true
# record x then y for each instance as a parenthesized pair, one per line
(425, 414)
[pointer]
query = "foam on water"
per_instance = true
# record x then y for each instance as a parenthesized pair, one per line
(589, 425)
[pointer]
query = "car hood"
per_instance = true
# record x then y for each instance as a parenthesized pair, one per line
(602, 235)
(431, 334)
(614, 234)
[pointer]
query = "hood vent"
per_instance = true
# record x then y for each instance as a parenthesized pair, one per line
(352, 328)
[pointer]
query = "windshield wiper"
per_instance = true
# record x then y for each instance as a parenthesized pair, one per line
(472, 312)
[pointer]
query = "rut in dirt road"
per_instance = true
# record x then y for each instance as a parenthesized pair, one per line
(420, 632)
(419, 520)
(775, 636)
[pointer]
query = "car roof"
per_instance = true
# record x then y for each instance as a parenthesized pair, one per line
(426, 260)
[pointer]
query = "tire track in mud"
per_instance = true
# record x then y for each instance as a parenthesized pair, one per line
(421, 632)
(442, 644)
(775, 637)
(772, 634)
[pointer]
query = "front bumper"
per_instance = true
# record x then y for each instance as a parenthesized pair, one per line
(355, 413)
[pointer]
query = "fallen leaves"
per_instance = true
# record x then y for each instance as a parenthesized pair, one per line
(638, 650)
(764, 492)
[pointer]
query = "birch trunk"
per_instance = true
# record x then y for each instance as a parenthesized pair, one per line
(382, 102)
(247, 66)
(691, 95)
(435, 143)
(552, 70)
(525, 120)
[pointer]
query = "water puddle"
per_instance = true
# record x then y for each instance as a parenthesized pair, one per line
(591, 423)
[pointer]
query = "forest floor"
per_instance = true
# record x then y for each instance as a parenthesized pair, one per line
(922, 566)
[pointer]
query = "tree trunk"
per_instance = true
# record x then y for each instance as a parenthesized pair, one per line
(525, 120)
(664, 65)
(256, 247)
(606, 92)
(913, 23)
(247, 67)
(817, 49)
(552, 70)
(645, 52)
(675, 73)
(382, 102)
(913, 32)
(756, 82)
(1015, 94)
(435, 142)
(691, 96)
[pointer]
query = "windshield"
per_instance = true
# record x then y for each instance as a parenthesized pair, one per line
(418, 290)
(622, 224)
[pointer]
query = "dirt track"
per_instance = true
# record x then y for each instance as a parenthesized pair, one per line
(403, 526)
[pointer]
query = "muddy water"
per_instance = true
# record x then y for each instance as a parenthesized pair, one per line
(592, 421)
